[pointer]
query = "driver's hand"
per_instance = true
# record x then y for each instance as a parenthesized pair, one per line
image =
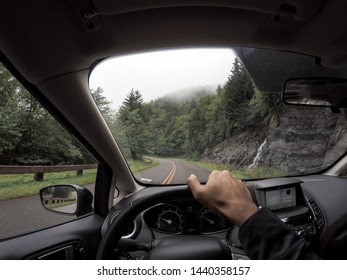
(224, 195)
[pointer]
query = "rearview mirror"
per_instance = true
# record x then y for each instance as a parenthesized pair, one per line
(323, 92)
(67, 199)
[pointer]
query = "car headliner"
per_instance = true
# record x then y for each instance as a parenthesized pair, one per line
(53, 45)
(45, 39)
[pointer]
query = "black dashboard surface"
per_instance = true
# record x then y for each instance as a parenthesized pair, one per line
(330, 194)
(172, 211)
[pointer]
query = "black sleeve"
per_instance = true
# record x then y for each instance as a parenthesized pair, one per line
(265, 236)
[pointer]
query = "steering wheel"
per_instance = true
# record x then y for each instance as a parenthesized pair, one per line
(177, 247)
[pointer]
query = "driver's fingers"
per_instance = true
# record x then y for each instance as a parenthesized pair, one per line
(194, 184)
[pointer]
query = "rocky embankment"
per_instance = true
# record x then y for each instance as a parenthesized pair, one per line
(301, 138)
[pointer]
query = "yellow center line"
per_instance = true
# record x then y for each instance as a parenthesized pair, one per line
(172, 173)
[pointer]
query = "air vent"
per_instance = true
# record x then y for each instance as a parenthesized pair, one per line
(318, 215)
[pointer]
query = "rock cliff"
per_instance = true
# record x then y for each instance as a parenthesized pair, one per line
(298, 140)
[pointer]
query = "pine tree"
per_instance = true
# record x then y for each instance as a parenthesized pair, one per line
(132, 118)
(237, 93)
(101, 101)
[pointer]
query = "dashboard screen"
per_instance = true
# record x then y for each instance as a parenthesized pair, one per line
(280, 198)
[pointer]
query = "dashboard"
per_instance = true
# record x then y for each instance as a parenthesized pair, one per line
(186, 217)
(313, 206)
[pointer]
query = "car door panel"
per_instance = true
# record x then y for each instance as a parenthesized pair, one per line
(78, 239)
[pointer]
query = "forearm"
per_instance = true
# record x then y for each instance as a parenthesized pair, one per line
(265, 236)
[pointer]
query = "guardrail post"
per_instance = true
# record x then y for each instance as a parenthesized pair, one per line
(39, 171)
(79, 172)
(38, 177)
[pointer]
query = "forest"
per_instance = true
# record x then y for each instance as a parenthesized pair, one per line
(163, 127)
(29, 135)
(171, 127)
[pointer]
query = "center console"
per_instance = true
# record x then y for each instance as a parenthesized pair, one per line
(284, 196)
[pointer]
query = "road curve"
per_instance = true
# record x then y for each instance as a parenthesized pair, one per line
(171, 171)
(156, 174)
(185, 169)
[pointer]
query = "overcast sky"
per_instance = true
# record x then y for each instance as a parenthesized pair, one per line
(158, 73)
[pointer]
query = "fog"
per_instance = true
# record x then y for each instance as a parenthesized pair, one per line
(156, 74)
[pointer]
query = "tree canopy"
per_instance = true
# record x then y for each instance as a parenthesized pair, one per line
(161, 127)
(169, 127)
(28, 133)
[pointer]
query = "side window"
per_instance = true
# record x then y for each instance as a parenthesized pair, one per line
(35, 152)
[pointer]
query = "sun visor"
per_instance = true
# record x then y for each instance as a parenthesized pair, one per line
(270, 69)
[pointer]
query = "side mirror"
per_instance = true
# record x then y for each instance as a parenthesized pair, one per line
(67, 199)
(323, 92)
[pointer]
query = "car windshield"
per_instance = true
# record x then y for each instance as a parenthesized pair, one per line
(180, 112)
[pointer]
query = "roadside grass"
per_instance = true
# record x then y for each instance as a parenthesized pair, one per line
(258, 172)
(60, 204)
(207, 165)
(139, 165)
(13, 186)
(18, 185)
(244, 173)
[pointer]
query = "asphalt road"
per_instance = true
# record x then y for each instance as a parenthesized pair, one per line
(171, 171)
(25, 214)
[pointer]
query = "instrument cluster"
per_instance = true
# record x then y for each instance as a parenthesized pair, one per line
(184, 218)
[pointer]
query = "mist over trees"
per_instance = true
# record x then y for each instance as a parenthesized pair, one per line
(172, 127)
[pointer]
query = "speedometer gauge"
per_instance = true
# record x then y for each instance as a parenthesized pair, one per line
(209, 222)
(170, 219)
(165, 218)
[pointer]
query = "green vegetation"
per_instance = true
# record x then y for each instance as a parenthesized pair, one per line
(245, 173)
(167, 127)
(12, 186)
(138, 165)
(29, 134)
(257, 172)
(164, 127)
(207, 165)
(60, 204)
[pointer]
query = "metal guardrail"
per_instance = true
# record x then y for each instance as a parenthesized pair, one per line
(39, 171)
